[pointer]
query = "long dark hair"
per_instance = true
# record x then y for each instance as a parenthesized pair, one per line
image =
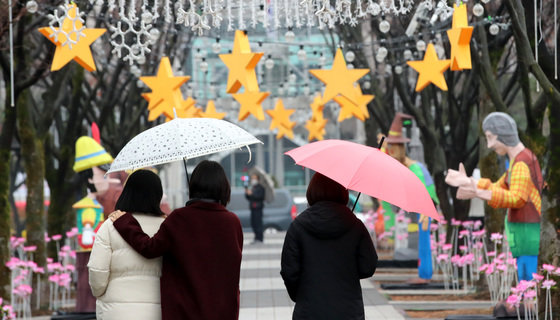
(209, 181)
(142, 193)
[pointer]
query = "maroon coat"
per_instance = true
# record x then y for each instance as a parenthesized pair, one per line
(201, 246)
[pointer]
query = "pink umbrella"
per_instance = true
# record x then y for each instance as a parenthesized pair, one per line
(367, 170)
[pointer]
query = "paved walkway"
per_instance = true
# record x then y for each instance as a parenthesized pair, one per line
(264, 297)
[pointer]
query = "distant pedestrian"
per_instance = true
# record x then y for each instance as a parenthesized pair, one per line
(256, 194)
(201, 246)
(326, 252)
(126, 284)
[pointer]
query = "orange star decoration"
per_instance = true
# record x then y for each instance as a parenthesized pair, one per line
(166, 93)
(251, 104)
(241, 64)
(75, 46)
(317, 106)
(460, 38)
(281, 120)
(211, 111)
(340, 79)
(357, 109)
(316, 128)
(430, 70)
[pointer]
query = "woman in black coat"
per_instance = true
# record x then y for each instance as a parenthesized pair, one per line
(326, 252)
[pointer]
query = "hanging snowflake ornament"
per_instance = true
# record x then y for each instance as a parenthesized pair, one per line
(141, 36)
(66, 35)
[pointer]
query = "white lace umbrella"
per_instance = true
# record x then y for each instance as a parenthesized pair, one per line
(180, 139)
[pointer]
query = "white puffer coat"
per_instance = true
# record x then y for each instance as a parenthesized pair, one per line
(125, 284)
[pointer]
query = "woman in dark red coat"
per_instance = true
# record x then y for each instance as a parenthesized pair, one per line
(201, 246)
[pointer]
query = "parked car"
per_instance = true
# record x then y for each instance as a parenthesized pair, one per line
(277, 214)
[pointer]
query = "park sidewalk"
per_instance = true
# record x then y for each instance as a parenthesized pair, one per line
(264, 297)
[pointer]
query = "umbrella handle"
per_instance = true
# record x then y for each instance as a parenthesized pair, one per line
(356, 202)
(186, 172)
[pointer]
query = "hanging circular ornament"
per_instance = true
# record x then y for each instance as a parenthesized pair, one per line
(154, 35)
(494, 29)
(420, 45)
(485, 1)
(147, 17)
(478, 10)
(367, 85)
(375, 9)
(322, 60)
(398, 69)
(290, 36)
(302, 55)
(350, 56)
(31, 6)
(203, 65)
(217, 46)
(139, 83)
(269, 63)
(350, 66)
(141, 60)
(382, 51)
(379, 58)
(306, 90)
(281, 90)
(292, 77)
(407, 54)
(384, 26)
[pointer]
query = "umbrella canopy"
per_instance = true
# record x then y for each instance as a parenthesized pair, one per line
(367, 170)
(266, 182)
(180, 139)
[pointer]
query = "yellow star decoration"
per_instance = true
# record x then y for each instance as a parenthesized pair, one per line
(281, 120)
(430, 70)
(317, 106)
(460, 38)
(211, 111)
(251, 104)
(357, 109)
(340, 79)
(166, 93)
(187, 109)
(316, 125)
(76, 48)
(316, 128)
(241, 64)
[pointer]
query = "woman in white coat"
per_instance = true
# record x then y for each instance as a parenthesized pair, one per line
(126, 284)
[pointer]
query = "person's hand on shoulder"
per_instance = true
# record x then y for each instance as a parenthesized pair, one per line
(116, 214)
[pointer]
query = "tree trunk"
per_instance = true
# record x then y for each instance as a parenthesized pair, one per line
(34, 164)
(6, 136)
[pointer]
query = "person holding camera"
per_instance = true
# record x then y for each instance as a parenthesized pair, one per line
(255, 193)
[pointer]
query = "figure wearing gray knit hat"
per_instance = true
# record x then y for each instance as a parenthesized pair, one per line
(518, 189)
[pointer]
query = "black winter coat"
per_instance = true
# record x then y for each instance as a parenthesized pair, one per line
(326, 252)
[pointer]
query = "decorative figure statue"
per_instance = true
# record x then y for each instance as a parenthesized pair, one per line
(396, 149)
(518, 190)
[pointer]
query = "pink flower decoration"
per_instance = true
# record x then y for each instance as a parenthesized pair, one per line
(56, 237)
(54, 278)
(49, 260)
(483, 267)
(23, 290)
(463, 248)
(478, 234)
(30, 249)
(442, 257)
(537, 277)
(47, 239)
(39, 270)
(467, 224)
(491, 253)
(447, 246)
(455, 223)
(548, 267)
(531, 294)
(463, 233)
(65, 248)
(547, 284)
(433, 227)
(477, 224)
(72, 254)
(490, 269)
(70, 267)
(513, 300)
(496, 237)
(502, 267)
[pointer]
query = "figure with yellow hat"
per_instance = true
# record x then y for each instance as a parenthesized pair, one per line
(396, 148)
(91, 164)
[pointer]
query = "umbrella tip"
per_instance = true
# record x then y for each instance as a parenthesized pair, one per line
(175, 112)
